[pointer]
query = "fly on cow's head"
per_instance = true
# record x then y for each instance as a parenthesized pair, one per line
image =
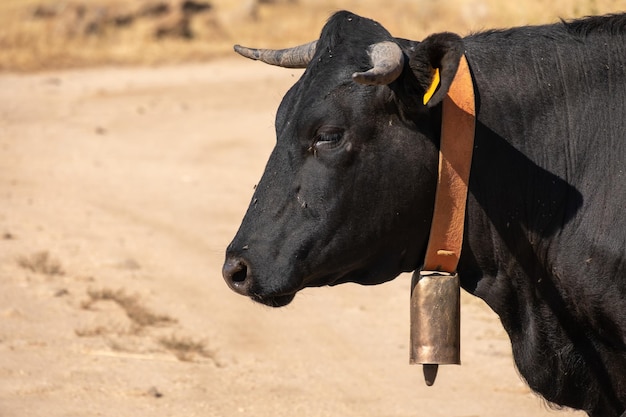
(347, 194)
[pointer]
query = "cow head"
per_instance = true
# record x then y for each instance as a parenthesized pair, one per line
(347, 194)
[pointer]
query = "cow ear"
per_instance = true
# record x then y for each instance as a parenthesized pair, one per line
(434, 62)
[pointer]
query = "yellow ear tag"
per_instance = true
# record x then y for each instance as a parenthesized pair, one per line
(433, 87)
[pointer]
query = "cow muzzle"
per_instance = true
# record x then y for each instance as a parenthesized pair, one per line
(237, 273)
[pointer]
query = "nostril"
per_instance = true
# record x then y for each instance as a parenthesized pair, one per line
(240, 275)
(236, 274)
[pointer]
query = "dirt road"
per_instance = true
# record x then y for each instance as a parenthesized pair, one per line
(119, 191)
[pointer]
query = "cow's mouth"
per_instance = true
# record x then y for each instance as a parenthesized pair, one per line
(237, 273)
(275, 300)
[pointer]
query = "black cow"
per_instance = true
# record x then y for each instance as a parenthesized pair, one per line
(348, 192)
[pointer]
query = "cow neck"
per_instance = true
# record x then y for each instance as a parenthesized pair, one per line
(455, 159)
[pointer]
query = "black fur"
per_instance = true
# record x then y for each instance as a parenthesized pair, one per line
(546, 204)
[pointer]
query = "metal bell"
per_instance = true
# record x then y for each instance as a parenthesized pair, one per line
(435, 321)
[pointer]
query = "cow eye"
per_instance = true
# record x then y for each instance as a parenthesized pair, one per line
(327, 138)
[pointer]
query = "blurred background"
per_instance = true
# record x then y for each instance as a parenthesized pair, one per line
(129, 151)
(52, 34)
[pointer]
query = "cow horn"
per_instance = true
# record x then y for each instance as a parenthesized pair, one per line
(387, 61)
(296, 57)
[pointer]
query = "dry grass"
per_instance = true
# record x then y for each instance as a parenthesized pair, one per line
(95, 331)
(143, 333)
(185, 348)
(138, 314)
(41, 263)
(31, 41)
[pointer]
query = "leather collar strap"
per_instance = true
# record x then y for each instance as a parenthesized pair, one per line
(455, 159)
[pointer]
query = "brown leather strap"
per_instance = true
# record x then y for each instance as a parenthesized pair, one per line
(455, 159)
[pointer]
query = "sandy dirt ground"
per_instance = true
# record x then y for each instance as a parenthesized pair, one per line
(119, 191)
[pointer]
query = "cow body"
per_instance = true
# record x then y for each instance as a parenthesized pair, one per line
(546, 238)
(348, 191)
